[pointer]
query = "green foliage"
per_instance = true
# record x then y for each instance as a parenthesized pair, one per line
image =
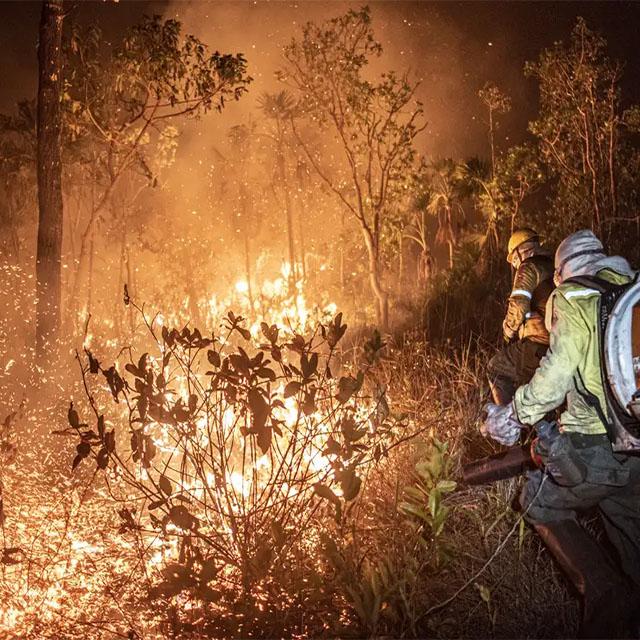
(367, 586)
(445, 192)
(154, 72)
(580, 134)
(117, 96)
(463, 303)
(424, 500)
(494, 99)
(519, 175)
(382, 586)
(497, 103)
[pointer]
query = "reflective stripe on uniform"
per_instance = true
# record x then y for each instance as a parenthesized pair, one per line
(521, 292)
(580, 293)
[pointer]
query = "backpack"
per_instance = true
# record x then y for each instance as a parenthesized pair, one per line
(619, 340)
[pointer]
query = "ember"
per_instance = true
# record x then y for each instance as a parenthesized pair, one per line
(253, 282)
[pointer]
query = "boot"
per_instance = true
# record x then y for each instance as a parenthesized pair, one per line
(502, 390)
(609, 601)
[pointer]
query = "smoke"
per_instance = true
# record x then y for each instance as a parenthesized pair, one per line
(422, 39)
(417, 37)
(452, 48)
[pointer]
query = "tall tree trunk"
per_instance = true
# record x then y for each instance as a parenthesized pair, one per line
(289, 213)
(247, 269)
(303, 244)
(492, 143)
(381, 296)
(90, 280)
(117, 302)
(49, 248)
(343, 240)
(130, 289)
(400, 259)
(246, 206)
(91, 256)
(284, 184)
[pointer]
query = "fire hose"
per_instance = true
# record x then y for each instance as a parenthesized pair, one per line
(551, 450)
(500, 466)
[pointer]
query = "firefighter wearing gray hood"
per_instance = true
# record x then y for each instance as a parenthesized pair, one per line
(582, 471)
(523, 327)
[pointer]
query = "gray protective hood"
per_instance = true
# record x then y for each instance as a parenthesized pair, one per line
(582, 254)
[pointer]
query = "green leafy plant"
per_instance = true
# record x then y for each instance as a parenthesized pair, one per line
(424, 500)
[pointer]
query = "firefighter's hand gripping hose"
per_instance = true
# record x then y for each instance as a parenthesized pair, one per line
(501, 424)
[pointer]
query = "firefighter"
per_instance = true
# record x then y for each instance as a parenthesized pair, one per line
(523, 328)
(582, 471)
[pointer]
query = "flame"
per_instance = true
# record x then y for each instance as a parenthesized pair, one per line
(242, 286)
(93, 561)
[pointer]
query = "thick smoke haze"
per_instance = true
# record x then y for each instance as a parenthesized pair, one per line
(452, 48)
(244, 356)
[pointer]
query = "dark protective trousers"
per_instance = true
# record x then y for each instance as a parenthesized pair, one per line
(612, 483)
(513, 366)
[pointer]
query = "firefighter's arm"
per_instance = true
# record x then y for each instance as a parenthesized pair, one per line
(524, 284)
(554, 377)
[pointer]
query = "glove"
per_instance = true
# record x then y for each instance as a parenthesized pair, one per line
(501, 424)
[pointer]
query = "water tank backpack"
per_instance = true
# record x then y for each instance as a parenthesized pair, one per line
(619, 338)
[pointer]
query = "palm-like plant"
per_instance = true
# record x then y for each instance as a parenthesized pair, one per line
(444, 202)
(416, 230)
(278, 106)
(476, 181)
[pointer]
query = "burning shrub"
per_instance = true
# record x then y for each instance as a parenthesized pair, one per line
(233, 452)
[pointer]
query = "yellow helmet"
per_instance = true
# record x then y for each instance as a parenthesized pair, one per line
(518, 238)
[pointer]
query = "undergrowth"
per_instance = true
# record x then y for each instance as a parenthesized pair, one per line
(412, 557)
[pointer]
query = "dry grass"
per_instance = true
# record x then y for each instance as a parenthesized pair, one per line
(520, 594)
(392, 572)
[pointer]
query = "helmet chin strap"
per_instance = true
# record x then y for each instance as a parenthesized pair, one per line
(517, 255)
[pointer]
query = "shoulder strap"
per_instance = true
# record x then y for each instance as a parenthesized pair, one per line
(590, 399)
(593, 282)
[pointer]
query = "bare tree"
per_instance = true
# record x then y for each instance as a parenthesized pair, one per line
(496, 103)
(444, 202)
(372, 124)
(49, 170)
(578, 128)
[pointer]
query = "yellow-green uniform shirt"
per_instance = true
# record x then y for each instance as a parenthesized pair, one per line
(573, 358)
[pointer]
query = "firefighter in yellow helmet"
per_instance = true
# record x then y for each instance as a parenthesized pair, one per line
(581, 469)
(523, 327)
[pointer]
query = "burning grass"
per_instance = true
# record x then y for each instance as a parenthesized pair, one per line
(257, 482)
(224, 461)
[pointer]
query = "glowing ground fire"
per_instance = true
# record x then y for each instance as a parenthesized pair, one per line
(219, 450)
